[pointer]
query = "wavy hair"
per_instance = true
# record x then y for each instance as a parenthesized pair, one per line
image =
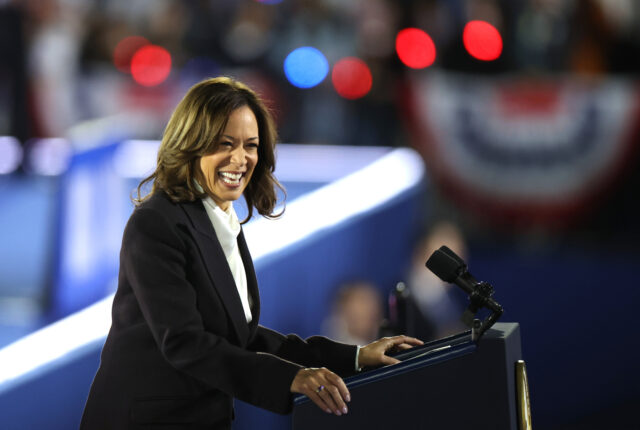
(194, 130)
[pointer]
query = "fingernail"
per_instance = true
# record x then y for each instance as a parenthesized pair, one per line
(328, 410)
(338, 413)
(348, 398)
(345, 410)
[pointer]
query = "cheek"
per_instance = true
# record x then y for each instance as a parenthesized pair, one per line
(207, 168)
(202, 169)
(253, 160)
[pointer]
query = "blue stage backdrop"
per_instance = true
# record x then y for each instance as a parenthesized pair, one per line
(345, 220)
(575, 307)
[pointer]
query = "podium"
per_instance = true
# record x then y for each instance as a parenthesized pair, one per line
(451, 383)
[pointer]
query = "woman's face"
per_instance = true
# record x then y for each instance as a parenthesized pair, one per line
(228, 169)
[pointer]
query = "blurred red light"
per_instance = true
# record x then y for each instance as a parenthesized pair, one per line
(351, 78)
(124, 50)
(150, 65)
(415, 48)
(482, 40)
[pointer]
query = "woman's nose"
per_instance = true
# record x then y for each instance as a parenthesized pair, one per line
(238, 156)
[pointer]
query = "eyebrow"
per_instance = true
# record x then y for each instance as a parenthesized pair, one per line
(233, 138)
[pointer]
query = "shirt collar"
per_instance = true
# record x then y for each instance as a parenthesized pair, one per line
(225, 223)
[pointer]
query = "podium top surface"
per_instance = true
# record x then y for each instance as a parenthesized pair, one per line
(429, 354)
(502, 330)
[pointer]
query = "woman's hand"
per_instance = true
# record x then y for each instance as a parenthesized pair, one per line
(324, 388)
(374, 353)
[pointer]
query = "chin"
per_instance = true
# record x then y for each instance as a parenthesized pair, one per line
(231, 197)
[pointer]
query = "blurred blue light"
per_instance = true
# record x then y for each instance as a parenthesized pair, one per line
(48, 156)
(135, 158)
(306, 67)
(10, 154)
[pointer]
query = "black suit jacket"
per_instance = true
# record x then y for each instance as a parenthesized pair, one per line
(180, 349)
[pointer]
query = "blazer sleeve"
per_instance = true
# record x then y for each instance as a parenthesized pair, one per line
(315, 351)
(153, 259)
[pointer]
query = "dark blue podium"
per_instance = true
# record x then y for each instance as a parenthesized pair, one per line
(451, 383)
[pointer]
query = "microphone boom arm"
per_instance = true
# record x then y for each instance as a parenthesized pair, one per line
(480, 297)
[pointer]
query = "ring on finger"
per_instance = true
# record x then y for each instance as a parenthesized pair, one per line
(319, 389)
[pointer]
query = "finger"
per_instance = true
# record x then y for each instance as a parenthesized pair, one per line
(412, 340)
(404, 346)
(327, 396)
(342, 387)
(386, 360)
(332, 384)
(406, 339)
(341, 407)
(319, 401)
(398, 340)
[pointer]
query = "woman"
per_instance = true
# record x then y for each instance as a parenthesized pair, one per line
(185, 338)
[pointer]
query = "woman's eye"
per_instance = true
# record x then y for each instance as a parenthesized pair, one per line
(226, 143)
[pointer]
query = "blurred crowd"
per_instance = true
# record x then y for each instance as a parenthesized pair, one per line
(57, 55)
(57, 73)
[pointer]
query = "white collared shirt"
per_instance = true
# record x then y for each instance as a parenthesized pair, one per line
(227, 228)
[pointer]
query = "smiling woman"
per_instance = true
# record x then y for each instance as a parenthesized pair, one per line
(185, 339)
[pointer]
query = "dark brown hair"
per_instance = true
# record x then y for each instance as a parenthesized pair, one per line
(194, 130)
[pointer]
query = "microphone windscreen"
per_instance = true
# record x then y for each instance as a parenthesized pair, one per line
(444, 265)
(452, 254)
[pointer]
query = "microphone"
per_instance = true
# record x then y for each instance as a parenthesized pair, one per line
(449, 267)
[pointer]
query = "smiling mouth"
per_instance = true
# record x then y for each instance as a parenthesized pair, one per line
(231, 178)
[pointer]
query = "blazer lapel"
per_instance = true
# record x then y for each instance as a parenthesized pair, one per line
(252, 281)
(217, 266)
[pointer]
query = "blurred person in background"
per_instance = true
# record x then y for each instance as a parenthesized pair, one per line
(437, 310)
(55, 31)
(185, 338)
(356, 315)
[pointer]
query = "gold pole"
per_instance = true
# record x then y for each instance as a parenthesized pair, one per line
(522, 397)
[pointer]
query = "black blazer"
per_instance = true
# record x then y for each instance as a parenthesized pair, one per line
(180, 349)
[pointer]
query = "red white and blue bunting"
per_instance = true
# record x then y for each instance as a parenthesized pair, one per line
(525, 151)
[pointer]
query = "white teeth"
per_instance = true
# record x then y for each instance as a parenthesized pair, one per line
(231, 178)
